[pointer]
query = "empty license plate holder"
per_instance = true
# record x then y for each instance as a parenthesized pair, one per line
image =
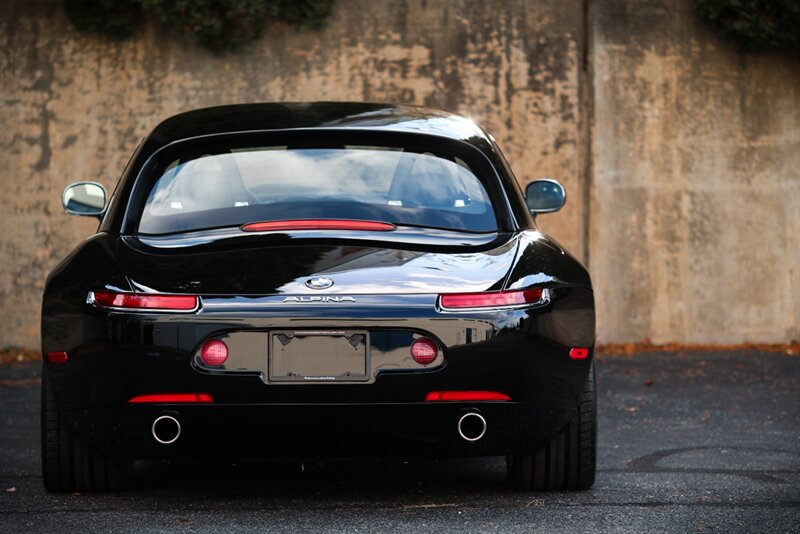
(318, 356)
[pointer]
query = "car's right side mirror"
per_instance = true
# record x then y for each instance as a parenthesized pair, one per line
(545, 196)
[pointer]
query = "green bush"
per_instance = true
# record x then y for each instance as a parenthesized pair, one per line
(215, 24)
(305, 14)
(117, 18)
(753, 24)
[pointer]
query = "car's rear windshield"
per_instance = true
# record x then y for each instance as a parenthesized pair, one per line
(399, 185)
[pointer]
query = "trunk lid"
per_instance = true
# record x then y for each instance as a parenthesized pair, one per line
(284, 266)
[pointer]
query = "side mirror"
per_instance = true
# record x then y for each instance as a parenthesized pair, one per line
(84, 198)
(545, 196)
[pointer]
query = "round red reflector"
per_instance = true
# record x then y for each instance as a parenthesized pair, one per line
(214, 352)
(424, 351)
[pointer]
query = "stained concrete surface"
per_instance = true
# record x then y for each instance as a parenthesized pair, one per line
(75, 105)
(680, 154)
(712, 445)
(695, 212)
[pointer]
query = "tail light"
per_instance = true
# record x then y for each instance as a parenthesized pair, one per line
(579, 353)
(214, 352)
(424, 351)
(494, 299)
(318, 224)
(172, 398)
(466, 396)
(138, 301)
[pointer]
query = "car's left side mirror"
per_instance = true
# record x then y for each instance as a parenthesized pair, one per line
(84, 198)
(545, 196)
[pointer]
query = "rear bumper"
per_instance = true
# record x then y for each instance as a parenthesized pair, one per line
(522, 353)
(390, 417)
(319, 430)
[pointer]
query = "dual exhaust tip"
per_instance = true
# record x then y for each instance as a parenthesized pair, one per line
(166, 429)
(471, 426)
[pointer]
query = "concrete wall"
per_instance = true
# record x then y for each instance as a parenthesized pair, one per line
(680, 156)
(695, 203)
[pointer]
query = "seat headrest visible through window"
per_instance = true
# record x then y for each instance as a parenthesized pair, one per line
(431, 189)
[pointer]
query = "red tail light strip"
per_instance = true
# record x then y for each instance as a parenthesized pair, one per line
(435, 396)
(494, 299)
(137, 301)
(172, 398)
(318, 224)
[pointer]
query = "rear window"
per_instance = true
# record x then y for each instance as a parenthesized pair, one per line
(380, 183)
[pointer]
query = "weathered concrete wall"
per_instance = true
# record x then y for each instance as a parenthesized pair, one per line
(695, 211)
(76, 105)
(689, 151)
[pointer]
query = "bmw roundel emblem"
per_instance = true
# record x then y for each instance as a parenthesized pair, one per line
(319, 282)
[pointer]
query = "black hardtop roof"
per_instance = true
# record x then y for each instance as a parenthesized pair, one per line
(314, 115)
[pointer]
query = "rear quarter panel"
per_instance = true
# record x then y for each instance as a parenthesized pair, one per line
(541, 261)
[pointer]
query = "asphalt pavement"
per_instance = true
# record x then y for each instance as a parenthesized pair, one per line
(701, 442)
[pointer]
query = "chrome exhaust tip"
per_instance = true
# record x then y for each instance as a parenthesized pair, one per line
(166, 429)
(471, 426)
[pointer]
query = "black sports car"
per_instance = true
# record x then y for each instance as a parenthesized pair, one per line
(317, 280)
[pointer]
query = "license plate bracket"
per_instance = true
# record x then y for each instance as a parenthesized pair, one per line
(318, 356)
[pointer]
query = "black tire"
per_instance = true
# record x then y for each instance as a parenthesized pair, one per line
(569, 461)
(68, 464)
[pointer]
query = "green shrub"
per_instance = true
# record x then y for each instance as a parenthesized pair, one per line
(305, 14)
(753, 24)
(215, 24)
(117, 18)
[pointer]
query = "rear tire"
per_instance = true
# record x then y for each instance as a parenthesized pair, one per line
(68, 463)
(569, 461)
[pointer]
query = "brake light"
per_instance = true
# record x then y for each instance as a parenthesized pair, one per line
(493, 299)
(579, 353)
(424, 351)
(172, 398)
(466, 396)
(138, 301)
(214, 352)
(318, 224)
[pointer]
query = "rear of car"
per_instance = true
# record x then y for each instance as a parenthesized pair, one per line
(314, 293)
